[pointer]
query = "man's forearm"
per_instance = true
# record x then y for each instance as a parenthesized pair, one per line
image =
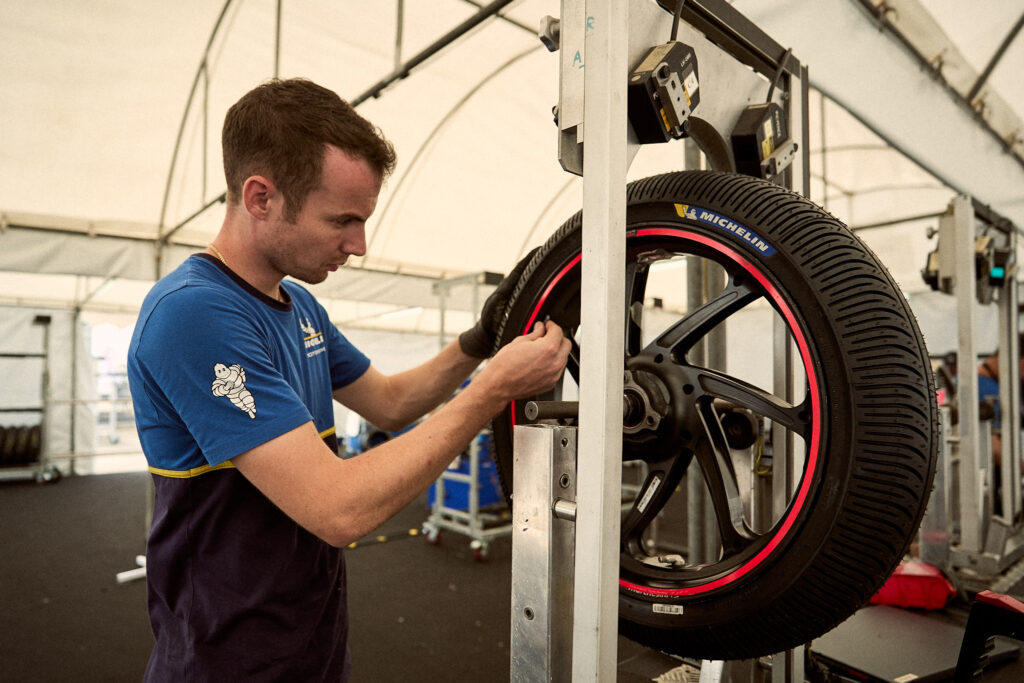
(417, 391)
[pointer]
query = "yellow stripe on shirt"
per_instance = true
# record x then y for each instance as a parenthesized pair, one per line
(194, 472)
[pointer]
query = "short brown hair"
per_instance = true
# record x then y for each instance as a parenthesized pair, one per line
(281, 128)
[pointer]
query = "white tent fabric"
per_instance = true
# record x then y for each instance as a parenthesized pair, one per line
(95, 92)
(874, 77)
(95, 95)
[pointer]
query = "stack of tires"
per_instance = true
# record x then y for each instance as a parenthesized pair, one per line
(20, 445)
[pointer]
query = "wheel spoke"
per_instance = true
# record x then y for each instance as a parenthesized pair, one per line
(657, 489)
(572, 364)
(681, 337)
(743, 395)
(722, 484)
(636, 285)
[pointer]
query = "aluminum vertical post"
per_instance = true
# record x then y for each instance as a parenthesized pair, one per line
(788, 666)
(543, 470)
(1009, 393)
(599, 478)
(958, 230)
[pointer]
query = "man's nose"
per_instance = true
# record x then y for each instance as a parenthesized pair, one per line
(355, 243)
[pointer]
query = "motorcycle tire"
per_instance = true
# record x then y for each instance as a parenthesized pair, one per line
(865, 421)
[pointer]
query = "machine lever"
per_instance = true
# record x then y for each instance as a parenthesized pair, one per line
(551, 410)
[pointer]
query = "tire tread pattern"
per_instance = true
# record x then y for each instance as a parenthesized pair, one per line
(891, 407)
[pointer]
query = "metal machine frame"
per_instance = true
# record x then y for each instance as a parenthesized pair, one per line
(961, 530)
(570, 507)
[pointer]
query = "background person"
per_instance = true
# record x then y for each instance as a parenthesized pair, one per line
(988, 392)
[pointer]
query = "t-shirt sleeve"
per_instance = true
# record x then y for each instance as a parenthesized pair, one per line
(347, 362)
(213, 366)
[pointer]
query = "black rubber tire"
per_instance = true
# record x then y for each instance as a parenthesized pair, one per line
(3, 446)
(868, 416)
(21, 446)
(35, 443)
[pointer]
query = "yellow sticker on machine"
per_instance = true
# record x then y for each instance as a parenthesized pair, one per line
(768, 144)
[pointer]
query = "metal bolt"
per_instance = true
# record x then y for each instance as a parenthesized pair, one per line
(550, 32)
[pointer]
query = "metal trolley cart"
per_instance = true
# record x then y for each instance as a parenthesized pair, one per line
(467, 499)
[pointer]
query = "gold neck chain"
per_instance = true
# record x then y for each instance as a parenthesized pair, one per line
(216, 252)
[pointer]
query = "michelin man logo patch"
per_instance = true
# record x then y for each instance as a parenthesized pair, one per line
(230, 382)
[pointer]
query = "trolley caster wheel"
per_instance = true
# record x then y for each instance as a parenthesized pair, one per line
(432, 534)
(480, 551)
(48, 475)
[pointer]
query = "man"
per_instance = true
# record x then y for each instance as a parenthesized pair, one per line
(988, 392)
(233, 371)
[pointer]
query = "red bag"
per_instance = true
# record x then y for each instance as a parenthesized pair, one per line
(915, 584)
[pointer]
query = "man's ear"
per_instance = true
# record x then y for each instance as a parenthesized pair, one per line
(258, 194)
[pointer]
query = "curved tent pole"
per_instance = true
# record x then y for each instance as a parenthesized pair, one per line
(543, 212)
(506, 19)
(432, 49)
(435, 131)
(996, 58)
(277, 40)
(200, 73)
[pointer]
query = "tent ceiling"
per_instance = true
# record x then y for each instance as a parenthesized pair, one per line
(913, 106)
(94, 95)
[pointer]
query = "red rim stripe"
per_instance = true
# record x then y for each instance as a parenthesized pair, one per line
(812, 457)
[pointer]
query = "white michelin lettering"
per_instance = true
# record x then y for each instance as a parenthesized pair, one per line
(743, 233)
(230, 382)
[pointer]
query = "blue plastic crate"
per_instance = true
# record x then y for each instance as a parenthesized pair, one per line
(456, 493)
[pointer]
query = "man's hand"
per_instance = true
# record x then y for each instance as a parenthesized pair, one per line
(479, 340)
(529, 365)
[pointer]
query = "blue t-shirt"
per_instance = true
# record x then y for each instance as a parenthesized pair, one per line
(988, 389)
(237, 589)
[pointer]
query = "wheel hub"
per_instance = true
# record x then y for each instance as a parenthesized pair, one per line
(645, 401)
